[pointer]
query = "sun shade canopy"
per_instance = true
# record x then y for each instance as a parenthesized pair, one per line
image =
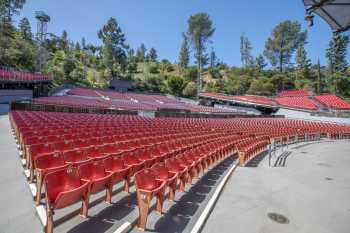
(335, 12)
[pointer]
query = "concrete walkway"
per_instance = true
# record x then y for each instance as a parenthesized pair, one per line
(17, 206)
(311, 189)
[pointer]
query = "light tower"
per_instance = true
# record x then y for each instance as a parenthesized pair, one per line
(43, 20)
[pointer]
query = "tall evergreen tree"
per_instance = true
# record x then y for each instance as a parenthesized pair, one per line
(152, 55)
(200, 29)
(141, 53)
(64, 42)
(260, 62)
(8, 8)
(114, 43)
(283, 42)
(336, 54)
(303, 63)
(246, 51)
(213, 57)
(184, 57)
(25, 29)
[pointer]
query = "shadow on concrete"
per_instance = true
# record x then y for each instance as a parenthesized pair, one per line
(177, 218)
(254, 162)
(4, 109)
(107, 217)
(281, 160)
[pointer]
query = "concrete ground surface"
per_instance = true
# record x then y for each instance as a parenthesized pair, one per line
(17, 207)
(311, 188)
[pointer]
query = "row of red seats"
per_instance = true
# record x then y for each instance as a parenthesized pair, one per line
(82, 151)
(251, 147)
(246, 98)
(296, 102)
(66, 185)
(17, 76)
(294, 93)
(333, 102)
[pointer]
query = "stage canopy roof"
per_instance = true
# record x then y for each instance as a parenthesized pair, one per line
(335, 12)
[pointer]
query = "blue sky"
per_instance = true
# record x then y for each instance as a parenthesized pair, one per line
(159, 23)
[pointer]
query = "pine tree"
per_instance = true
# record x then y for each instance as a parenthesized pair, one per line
(303, 63)
(25, 29)
(8, 8)
(184, 57)
(336, 54)
(64, 42)
(200, 29)
(152, 55)
(141, 53)
(212, 58)
(246, 50)
(114, 47)
(260, 62)
(283, 42)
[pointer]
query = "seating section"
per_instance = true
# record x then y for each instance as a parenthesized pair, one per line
(73, 156)
(333, 102)
(294, 93)
(249, 99)
(20, 76)
(104, 99)
(297, 103)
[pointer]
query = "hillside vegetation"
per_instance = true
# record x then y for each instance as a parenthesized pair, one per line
(283, 64)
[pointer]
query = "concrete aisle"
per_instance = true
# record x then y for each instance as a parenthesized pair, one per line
(312, 191)
(17, 206)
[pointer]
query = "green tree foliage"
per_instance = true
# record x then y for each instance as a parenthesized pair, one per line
(261, 86)
(8, 8)
(152, 55)
(25, 29)
(175, 85)
(283, 42)
(260, 63)
(213, 58)
(336, 54)
(114, 48)
(303, 63)
(190, 90)
(141, 53)
(184, 57)
(200, 29)
(64, 42)
(246, 51)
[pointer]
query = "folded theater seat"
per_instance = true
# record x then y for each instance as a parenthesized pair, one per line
(119, 170)
(147, 187)
(162, 173)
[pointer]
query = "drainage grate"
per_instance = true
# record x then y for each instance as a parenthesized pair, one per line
(279, 218)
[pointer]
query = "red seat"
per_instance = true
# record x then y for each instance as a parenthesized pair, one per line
(147, 187)
(63, 188)
(164, 174)
(43, 165)
(36, 151)
(120, 171)
(75, 157)
(95, 152)
(145, 155)
(182, 171)
(134, 162)
(99, 179)
(63, 146)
